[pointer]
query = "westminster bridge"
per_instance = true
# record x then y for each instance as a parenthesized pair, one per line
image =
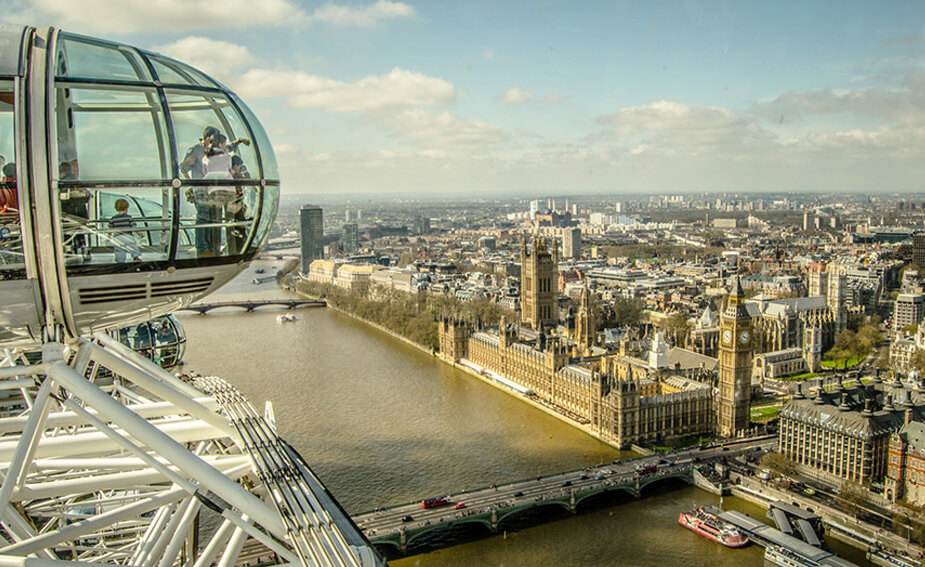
(495, 508)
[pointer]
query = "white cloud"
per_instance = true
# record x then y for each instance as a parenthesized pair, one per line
(129, 16)
(397, 89)
(673, 127)
(488, 54)
(362, 16)
(218, 58)
(516, 95)
(427, 130)
(900, 97)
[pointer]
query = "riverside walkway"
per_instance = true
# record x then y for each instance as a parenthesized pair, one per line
(405, 526)
(252, 304)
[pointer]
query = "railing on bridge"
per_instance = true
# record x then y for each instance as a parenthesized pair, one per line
(252, 304)
(401, 527)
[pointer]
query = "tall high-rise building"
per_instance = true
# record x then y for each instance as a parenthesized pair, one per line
(735, 365)
(619, 207)
(534, 208)
(346, 215)
(538, 286)
(918, 249)
(350, 240)
(421, 224)
(311, 222)
(571, 242)
(807, 220)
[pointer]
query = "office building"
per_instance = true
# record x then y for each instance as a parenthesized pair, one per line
(918, 249)
(908, 310)
(843, 434)
(350, 240)
(571, 242)
(311, 222)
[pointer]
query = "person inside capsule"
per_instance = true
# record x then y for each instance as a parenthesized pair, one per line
(214, 158)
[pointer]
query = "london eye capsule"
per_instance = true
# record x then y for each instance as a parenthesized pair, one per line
(132, 184)
(161, 340)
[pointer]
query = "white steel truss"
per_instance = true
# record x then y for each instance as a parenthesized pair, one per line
(107, 459)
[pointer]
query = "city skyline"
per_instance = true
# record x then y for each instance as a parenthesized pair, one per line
(428, 97)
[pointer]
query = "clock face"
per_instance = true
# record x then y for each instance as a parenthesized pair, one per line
(727, 336)
(743, 338)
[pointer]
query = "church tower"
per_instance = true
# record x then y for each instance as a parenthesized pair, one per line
(538, 286)
(735, 365)
(836, 298)
(585, 328)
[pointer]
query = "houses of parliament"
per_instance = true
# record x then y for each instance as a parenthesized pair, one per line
(623, 396)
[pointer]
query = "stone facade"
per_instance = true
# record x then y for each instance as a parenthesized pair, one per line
(843, 434)
(905, 473)
(779, 364)
(620, 398)
(735, 366)
(538, 284)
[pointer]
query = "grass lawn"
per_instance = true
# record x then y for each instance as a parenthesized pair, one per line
(838, 364)
(799, 377)
(765, 413)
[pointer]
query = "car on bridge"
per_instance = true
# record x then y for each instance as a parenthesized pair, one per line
(567, 483)
(408, 518)
(518, 494)
(459, 506)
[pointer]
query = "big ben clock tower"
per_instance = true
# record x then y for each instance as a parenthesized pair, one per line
(735, 365)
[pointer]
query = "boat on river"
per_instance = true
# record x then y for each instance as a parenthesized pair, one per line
(704, 521)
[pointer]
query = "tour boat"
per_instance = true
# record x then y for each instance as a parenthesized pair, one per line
(286, 318)
(710, 526)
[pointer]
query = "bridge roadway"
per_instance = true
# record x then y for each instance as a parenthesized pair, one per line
(491, 505)
(252, 304)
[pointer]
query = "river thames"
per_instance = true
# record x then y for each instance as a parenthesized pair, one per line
(383, 423)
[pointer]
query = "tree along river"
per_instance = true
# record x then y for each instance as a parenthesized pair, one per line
(383, 423)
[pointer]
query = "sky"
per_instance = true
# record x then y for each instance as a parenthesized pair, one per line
(554, 97)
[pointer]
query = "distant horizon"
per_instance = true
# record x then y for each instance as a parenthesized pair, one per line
(399, 96)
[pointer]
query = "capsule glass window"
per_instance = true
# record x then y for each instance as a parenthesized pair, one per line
(216, 220)
(12, 265)
(115, 225)
(110, 134)
(87, 58)
(171, 72)
(270, 167)
(208, 123)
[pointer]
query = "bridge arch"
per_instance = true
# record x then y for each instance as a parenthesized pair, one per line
(673, 477)
(457, 529)
(604, 491)
(515, 511)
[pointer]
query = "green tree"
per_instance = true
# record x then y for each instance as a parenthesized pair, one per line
(853, 495)
(845, 347)
(778, 463)
(678, 327)
(918, 361)
(627, 311)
